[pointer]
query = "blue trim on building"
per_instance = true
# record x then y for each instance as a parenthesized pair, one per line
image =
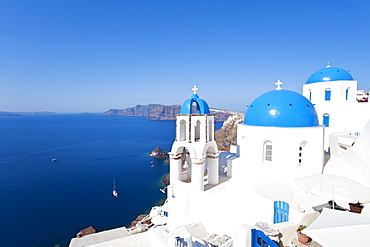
(326, 120)
(328, 94)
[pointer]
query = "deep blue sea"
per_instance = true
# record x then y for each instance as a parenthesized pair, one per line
(45, 203)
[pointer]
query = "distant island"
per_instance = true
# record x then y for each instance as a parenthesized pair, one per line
(7, 114)
(162, 112)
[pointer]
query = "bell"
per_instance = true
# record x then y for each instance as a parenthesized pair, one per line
(186, 165)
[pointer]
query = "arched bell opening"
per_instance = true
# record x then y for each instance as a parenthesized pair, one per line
(182, 164)
(211, 166)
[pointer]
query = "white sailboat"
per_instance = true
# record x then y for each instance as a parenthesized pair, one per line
(115, 193)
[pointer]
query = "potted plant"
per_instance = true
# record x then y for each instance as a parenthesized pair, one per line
(356, 207)
(302, 238)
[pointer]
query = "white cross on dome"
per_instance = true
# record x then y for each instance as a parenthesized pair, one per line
(195, 89)
(278, 85)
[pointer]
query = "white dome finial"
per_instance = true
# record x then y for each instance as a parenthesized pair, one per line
(195, 89)
(278, 83)
(328, 65)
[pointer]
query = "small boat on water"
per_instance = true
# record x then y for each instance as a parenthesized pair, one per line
(54, 159)
(115, 193)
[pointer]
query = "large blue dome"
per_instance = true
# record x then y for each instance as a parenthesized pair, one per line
(281, 108)
(329, 74)
(201, 106)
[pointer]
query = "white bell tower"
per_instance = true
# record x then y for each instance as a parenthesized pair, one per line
(194, 154)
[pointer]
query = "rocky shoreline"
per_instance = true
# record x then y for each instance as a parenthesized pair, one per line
(166, 179)
(158, 153)
(162, 112)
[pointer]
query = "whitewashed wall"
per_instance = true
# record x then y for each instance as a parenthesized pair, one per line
(285, 147)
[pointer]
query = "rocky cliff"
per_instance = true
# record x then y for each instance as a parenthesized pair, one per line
(162, 112)
(158, 153)
(226, 136)
(152, 112)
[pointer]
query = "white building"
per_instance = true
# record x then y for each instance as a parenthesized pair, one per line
(279, 141)
(333, 91)
(217, 198)
(283, 138)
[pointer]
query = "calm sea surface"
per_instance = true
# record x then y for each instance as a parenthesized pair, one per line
(45, 203)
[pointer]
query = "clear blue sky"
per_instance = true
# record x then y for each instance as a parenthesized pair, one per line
(92, 55)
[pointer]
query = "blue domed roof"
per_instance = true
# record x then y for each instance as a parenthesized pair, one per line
(329, 74)
(281, 108)
(201, 105)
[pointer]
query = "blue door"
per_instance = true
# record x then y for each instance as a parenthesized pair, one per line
(259, 239)
(281, 211)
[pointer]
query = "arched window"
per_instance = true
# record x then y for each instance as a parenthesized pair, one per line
(182, 130)
(267, 151)
(185, 166)
(194, 108)
(347, 91)
(327, 94)
(210, 130)
(326, 119)
(197, 131)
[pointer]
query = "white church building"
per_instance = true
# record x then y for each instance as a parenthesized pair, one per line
(285, 136)
(217, 198)
(333, 91)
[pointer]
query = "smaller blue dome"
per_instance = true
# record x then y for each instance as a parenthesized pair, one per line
(330, 74)
(201, 106)
(281, 108)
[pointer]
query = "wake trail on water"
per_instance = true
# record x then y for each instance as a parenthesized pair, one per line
(9, 159)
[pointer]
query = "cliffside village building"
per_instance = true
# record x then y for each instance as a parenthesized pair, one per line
(287, 141)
